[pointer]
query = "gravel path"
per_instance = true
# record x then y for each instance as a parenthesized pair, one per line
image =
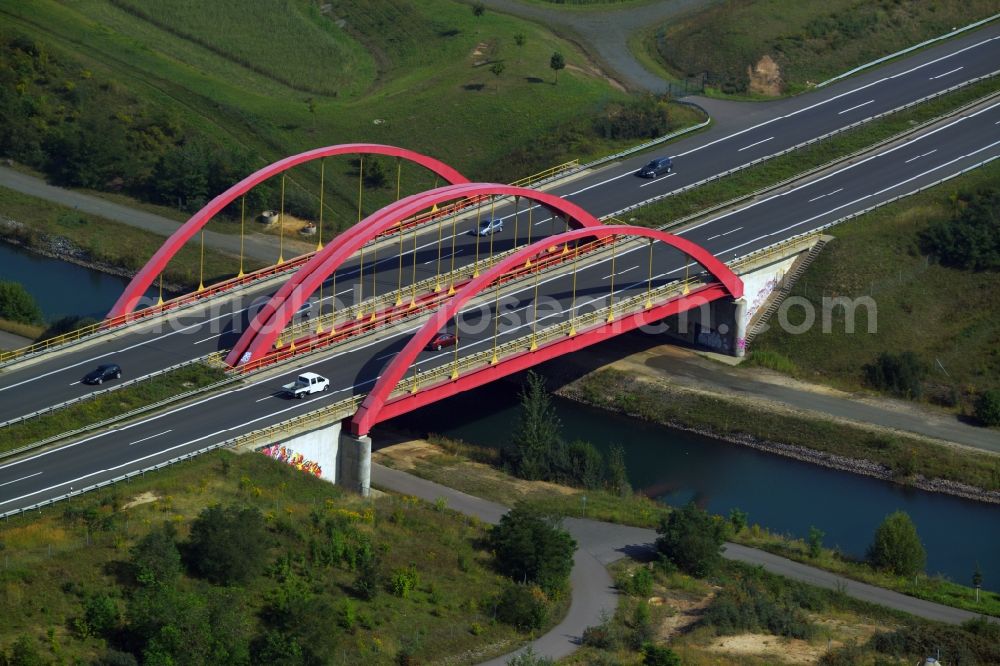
(257, 247)
(601, 543)
(604, 33)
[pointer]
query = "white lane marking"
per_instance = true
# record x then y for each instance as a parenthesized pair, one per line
(840, 113)
(211, 337)
(144, 439)
(919, 156)
(839, 189)
(947, 73)
(622, 272)
(713, 237)
(731, 231)
(7, 483)
(603, 182)
(75, 383)
(656, 180)
(273, 395)
(944, 57)
(755, 144)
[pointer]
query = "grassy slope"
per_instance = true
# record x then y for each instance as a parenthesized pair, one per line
(52, 561)
(942, 314)
(427, 89)
(810, 41)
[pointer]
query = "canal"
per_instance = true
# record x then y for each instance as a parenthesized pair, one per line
(784, 495)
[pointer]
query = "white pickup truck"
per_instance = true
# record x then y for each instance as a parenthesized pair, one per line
(306, 383)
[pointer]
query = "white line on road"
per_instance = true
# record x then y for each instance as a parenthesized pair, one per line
(731, 231)
(620, 272)
(840, 189)
(211, 337)
(75, 383)
(947, 73)
(840, 113)
(144, 439)
(919, 156)
(7, 483)
(755, 144)
(656, 180)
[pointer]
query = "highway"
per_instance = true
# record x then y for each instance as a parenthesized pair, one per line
(769, 128)
(947, 150)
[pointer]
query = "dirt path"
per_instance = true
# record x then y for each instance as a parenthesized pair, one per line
(604, 34)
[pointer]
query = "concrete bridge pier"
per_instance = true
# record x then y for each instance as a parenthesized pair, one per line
(354, 463)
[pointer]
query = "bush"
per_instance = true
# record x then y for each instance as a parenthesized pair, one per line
(988, 408)
(530, 547)
(155, 559)
(522, 607)
(896, 547)
(899, 374)
(655, 655)
(638, 584)
(691, 539)
(17, 304)
(971, 238)
(64, 325)
(583, 466)
(641, 118)
(404, 581)
(101, 614)
(227, 545)
(529, 658)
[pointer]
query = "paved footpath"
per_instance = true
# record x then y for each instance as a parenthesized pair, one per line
(600, 543)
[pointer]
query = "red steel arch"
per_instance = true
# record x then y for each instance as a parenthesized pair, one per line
(371, 410)
(145, 277)
(278, 311)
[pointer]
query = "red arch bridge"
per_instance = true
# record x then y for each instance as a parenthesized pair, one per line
(442, 290)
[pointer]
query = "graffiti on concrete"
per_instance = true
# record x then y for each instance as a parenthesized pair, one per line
(296, 460)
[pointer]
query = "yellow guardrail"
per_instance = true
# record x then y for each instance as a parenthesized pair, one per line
(778, 250)
(545, 175)
(336, 412)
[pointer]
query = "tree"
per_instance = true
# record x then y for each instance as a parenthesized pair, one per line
(896, 547)
(617, 473)
(17, 304)
(519, 39)
(155, 559)
(531, 547)
(557, 62)
(478, 9)
(977, 580)
(497, 69)
(737, 519)
(691, 539)
(537, 434)
(971, 238)
(522, 607)
(227, 545)
(900, 374)
(815, 541)
(584, 466)
(988, 408)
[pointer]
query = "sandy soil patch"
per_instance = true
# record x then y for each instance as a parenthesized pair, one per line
(780, 650)
(142, 498)
(594, 70)
(765, 77)
(686, 612)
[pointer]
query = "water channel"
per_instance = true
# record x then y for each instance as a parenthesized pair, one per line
(673, 466)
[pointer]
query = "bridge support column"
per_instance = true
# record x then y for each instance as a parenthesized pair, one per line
(354, 463)
(740, 332)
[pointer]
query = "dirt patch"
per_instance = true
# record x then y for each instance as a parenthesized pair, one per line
(765, 77)
(483, 53)
(406, 455)
(594, 70)
(687, 612)
(141, 498)
(772, 648)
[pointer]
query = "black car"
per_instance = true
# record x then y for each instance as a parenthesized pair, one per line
(657, 167)
(106, 371)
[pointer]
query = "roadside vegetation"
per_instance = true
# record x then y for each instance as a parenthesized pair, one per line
(779, 169)
(929, 262)
(239, 559)
(776, 47)
(108, 405)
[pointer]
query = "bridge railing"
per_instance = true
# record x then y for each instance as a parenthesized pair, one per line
(580, 323)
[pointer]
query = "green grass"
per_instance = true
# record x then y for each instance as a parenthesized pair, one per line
(108, 405)
(30, 331)
(945, 316)
(904, 455)
(432, 89)
(778, 169)
(54, 561)
(104, 241)
(472, 469)
(809, 41)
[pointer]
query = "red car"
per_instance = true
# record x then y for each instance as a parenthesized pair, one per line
(441, 340)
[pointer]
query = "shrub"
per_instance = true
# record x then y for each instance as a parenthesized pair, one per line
(971, 238)
(227, 545)
(639, 583)
(583, 466)
(101, 614)
(155, 559)
(529, 658)
(522, 607)
(655, 655)
(530, 547)
(899, 374)
(641, 118)
(988, 408)
(404, 581)
(896, 547)
(17, 304)
(691, 539)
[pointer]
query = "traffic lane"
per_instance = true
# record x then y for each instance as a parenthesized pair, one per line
(901, 169)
